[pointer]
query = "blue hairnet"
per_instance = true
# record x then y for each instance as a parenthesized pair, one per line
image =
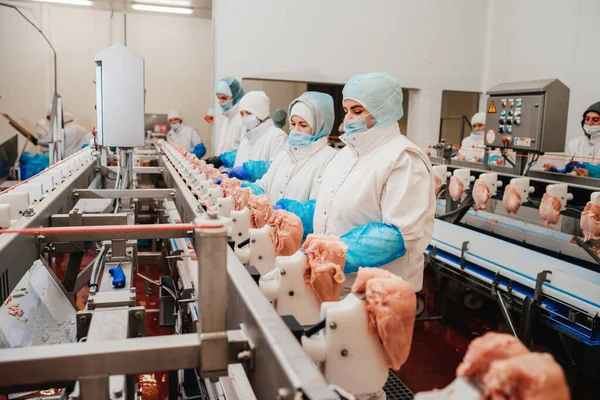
(379, 93)
(322, 105)
(236, 88)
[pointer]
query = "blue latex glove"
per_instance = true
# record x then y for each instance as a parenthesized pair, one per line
(85, 145)
(372, 245)
(277, 207)
(491, 159)
(256, 190)
(305, 212)
(254, 169)
(593, 169)
(228, 158)
(568, 168)
(218, 181)
(118, 277)
(199, 150)
(237, 172)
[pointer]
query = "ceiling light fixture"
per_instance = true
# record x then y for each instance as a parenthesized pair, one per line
(70, 2)
(172, 10)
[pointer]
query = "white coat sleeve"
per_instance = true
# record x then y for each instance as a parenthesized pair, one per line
(267, 179)
(316, 185)
(195, 138)
(278, 144)
(408, 200)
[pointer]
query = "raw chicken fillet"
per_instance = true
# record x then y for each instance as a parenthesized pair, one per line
(481, 194)
(324, 271)
(391, 304)
(260, 210)
(590, 221)
(485, 349)
(456, 188)
(511, 199)
(438, 184)
(531, 376)
(287, 232)
(228, 184)
(241, 197)
(550, 209)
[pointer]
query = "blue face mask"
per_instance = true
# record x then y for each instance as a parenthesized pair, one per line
(356, 125)
(476, 133)
(298, 138)
(228, 105)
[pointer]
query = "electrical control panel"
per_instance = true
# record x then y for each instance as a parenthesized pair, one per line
(529, 116)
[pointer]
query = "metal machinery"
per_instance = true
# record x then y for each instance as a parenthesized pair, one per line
(548, 275)
(230, 341)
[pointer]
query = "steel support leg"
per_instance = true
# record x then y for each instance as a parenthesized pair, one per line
(72, 271)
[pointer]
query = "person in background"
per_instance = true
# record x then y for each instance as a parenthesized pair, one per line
(584, 151)
(377, 193)
(295, 173)
(42, 129)
(473, 146)
(279, 117)
(262, 140)
(76, 136)
(229, 93)
(184, 135)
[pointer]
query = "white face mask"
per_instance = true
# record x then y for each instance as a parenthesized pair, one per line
(591, 130)
(175, 126)
(250, 121)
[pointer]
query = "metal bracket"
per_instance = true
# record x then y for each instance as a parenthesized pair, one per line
(465, 247)
(241, 349)
(83, 319)
(542, 277)
(137, 322)
(29, 212)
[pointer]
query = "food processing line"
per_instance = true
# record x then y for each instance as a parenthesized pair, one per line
(229, 342)
(546, 274)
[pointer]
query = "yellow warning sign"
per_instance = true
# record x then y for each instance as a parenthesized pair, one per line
(492, 108)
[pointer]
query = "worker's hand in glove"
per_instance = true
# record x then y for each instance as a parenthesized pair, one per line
(256, 189)
(218, 181)
(199, 150)
(304, 211)
(228, 158)
(215, 161)
(237, 172)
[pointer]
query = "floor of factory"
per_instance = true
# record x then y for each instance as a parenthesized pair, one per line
(436, 350)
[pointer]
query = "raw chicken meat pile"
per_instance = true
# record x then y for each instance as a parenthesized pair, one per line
(287, 232)
(509, 371)
(511, 199)
(456, 188)
(590, 221)
(260, 210)
(550, 209)
(391, 304)
(481, 194)
(241, 197)
(228, 184)
(437, 184)
(324, 271)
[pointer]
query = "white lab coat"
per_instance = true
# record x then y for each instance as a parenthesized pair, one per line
(230, 131)
(185, 136)
(261, 143)
(584, 149)
(75, 137)
(380, 176)
(42, 129)
(473, 146)
(296, 172)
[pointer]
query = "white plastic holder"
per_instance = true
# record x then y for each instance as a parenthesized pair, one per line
(561, 191)
(464, 174)
(240, 226)
(225, 206)
(491, 181)
(199, 177)
(213, 195)
(285, 285)
(35, 190)
(18, 201)
(203, 187)
(5, 216)
(595, 197)
(523, 187)
(47, 182)
(262, 252)
(441, 171)
(353, 358)
(57, 177)
(459, 389)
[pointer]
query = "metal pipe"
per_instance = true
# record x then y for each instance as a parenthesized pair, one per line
(96, 270)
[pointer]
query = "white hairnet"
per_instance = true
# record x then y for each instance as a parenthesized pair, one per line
(256, 103)
(175, 114)
(478, 118)
(321, 107)
(379, 93)
(67, 117)
(302, 110)
(223, 88)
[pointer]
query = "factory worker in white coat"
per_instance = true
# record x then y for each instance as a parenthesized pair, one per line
(229, 93)
(75, 135)
(586, 148)
(262, 140)
(184, 135)
(473, 146)
(42, 129)
(377, 193)
(296, 172)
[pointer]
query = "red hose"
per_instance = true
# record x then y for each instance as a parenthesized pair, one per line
(119, 228)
